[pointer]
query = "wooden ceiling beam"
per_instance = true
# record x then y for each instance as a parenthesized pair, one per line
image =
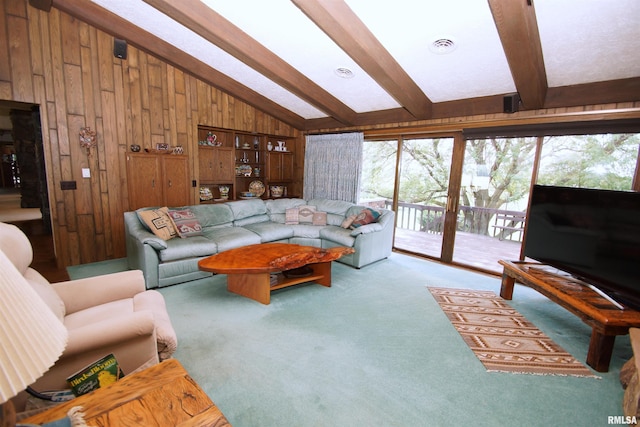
(518, 31)
(213, 27)
(112, 24)
(612, 91)
(346, 29)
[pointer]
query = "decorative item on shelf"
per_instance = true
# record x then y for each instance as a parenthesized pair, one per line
(256, 142)
(135, 148)
(281, 146)
(269, 146)
(224, 191)
(276, 191)
(257, 188)
(246, 146)
(256, 171)
(205, 194)
(87, 139)
(162, 146)
(237, 141)
(244, 170)
(247, 195)
(178, 149)
(212, 139)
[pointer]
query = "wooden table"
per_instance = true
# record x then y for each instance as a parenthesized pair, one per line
(163, 395)
(249, 268)
(605, 318)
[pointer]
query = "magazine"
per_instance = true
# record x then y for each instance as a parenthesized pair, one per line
(100, 373)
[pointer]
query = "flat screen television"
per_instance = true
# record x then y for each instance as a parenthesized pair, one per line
(594, 235)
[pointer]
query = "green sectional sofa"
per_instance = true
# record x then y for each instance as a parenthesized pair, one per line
(214, 228)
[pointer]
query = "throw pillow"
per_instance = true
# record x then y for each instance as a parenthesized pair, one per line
(319, 218)
(348, 221)
(366, 216)
(291, 216)
(158, 222)
(305, 214)
(186, 223)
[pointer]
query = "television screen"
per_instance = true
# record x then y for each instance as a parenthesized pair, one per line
(592, 234)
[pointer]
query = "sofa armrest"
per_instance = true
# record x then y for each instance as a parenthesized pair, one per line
(110, 332)
(91, 291)
(365, 229)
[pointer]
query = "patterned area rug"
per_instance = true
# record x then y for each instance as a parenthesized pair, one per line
(503, 339)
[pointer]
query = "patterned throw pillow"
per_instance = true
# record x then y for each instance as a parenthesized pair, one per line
(185, 221)
(305, 214)
(346, 223)
(158, 222)
(319, 218)
(366, 216)
(291, 216)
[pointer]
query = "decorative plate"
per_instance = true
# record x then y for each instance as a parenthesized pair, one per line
(257, 188)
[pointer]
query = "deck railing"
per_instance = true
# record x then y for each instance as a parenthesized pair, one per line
(499, 223)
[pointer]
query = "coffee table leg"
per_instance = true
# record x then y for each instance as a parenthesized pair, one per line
(322, 269)
(255, 286)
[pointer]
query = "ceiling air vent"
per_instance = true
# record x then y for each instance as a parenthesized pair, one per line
(442, 46)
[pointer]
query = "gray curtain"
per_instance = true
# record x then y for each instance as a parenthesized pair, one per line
(332, 166)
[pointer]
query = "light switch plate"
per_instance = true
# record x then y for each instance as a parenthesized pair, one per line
(86, 173)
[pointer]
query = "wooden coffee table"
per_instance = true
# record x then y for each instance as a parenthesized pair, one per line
(249, 268)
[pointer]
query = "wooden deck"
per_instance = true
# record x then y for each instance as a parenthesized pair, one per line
(472, 250)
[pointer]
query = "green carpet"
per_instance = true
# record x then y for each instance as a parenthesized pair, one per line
(376, 349)
(96, 268)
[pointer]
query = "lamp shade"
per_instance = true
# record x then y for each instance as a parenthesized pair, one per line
(32, 337)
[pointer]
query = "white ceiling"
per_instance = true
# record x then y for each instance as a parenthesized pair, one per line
(582, 41)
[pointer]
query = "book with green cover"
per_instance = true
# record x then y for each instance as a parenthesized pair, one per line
(100, 373)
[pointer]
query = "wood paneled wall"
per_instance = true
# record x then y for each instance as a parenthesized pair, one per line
(68, 68)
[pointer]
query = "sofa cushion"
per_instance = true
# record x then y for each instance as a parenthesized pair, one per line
(213, 214)
(270, 231)
(279, 206)
(196, 246)
(158, 222)
(251, 220)
(337, 234)
(338, 207)
(103, 312)
(306, 230)
(232, 237)
(185, 222)
(247, 208)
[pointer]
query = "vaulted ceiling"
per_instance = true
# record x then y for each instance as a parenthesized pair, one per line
(333, 63)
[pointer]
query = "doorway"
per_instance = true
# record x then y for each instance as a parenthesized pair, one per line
(24, 199)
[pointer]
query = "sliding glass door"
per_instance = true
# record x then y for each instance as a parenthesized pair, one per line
(411, 175)
(493, 197)
(464, 201)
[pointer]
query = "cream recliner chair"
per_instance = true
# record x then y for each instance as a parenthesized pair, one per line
(113, 313)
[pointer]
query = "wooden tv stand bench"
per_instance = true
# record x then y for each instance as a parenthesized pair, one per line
(604, 317)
